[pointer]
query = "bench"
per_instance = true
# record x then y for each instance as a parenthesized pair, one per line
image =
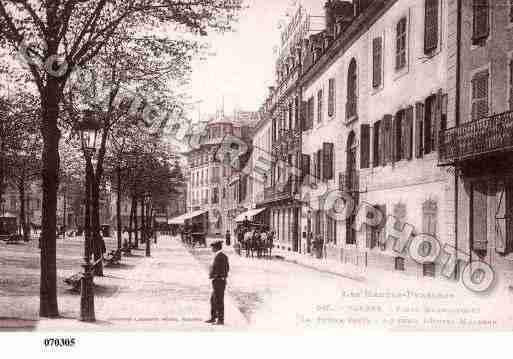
(76, 279)
(113, 258)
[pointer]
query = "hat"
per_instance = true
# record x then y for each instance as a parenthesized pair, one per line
(217, 244)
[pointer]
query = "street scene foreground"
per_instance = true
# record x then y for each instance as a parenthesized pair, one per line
(171, 290)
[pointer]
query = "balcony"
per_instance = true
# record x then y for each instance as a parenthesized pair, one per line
(477, 138)
(279, 192)
(349, 182)
(287, 139)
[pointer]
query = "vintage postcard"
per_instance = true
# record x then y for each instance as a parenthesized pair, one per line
(243, 165)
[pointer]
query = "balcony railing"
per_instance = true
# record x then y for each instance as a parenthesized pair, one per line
(279, 192)
(287, 139)
(349, 181)
(477, 138)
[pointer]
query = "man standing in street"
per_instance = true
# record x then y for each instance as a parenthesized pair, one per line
(218, 274)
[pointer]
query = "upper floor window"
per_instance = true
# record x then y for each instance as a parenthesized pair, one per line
(310, 113)
(319, 106)
(480, 95)
(351, 109)
(511, 10)
(401, 38)
(331, 97)
(481, 17)
(430, 26)
(377, 62)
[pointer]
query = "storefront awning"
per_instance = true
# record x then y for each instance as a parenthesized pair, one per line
(250, 214)
(181, 219)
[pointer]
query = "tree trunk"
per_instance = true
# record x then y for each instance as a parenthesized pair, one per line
(144, 237)
(50, 182)
(95, 226)
(23, 216)
(131, 223)
(118, 207)
(134, 201)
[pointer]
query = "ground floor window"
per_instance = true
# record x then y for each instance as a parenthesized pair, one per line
(428, 269)
(399, 263)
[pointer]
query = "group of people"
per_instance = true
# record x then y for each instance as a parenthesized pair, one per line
(259, 241)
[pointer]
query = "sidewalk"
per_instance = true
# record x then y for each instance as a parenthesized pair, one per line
(170, 290)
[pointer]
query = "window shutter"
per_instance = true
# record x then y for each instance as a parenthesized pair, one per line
(479, 215)
(327, 167)
(481, 16)
(319, 106)
(351, 105)
(376, 144)
(305, 166)
(331, 97)
(319, 164)
(419, 126)
(500, 220)
(430, 26)
(303, 115)
(365, 146)
(388, 138)
(377, 59)
(480, 95)
(382, 143)
(400, 56)
(408, 135)
(394, 137)
(438, 118)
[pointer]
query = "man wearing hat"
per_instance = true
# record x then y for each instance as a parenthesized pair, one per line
(218, 274)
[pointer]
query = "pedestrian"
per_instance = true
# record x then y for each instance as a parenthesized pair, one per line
(218, 274)
(228, 237)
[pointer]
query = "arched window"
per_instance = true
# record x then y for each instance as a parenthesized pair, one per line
(351, 108)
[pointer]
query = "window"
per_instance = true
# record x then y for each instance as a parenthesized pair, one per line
(430, 26)
(310, 113)
(480, 95)
(377, 62)
(376, 144)
(318, 161)
(407, 133)
(331, 97)
(504, 218)
(400, 50)
(296, 113)
(511, 11)
(319, 106)
(481, 23)
(429, 124)
(429, 218)
(305, 166)
(331, 235)
(419, 129)
(327, 167)
(478, 218)
(399, 264)
(215, 195)
(365, 146)
(351, 105)
(429, 269)
(291, 115)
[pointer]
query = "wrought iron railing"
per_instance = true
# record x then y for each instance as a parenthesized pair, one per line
(279, 191)
(477, 138)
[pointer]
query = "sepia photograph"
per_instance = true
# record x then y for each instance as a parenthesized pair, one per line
(244, 166)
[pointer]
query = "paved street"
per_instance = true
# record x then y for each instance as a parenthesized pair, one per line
(171, 290)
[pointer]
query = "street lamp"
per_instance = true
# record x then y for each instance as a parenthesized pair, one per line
(89, 128)
(147, 200)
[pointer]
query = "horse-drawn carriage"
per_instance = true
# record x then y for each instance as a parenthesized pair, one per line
(254, 238)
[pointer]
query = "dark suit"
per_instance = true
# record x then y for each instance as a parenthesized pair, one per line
(218, 274)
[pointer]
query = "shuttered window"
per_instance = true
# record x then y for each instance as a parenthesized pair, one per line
(319, 165)
(407, 133)
(365, 146)
(303, 115)
(430, 123)
(480, 95)
(388, 135)
(430, 26)
(314, 177)
(399, 146)
(504, 218)
(478, 217)
(377, 62)
(319, 106)
(327, 167)
(419, 129)
(378, 232)
(376, 144)
(310, 113)
(305, 166)
(351, 104)
(400, 50)
(399, 264)
(481, 23)
(331, 97)
(429, 218)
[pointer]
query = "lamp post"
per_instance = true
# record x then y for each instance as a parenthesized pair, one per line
(146, 229)
(89, 128)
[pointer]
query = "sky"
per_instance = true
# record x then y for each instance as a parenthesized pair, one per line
(242, 65)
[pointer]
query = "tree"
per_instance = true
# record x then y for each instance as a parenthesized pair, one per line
(64, 34)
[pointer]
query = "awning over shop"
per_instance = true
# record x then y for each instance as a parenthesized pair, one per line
(8, 215)
(250, 214)
(181, 219)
